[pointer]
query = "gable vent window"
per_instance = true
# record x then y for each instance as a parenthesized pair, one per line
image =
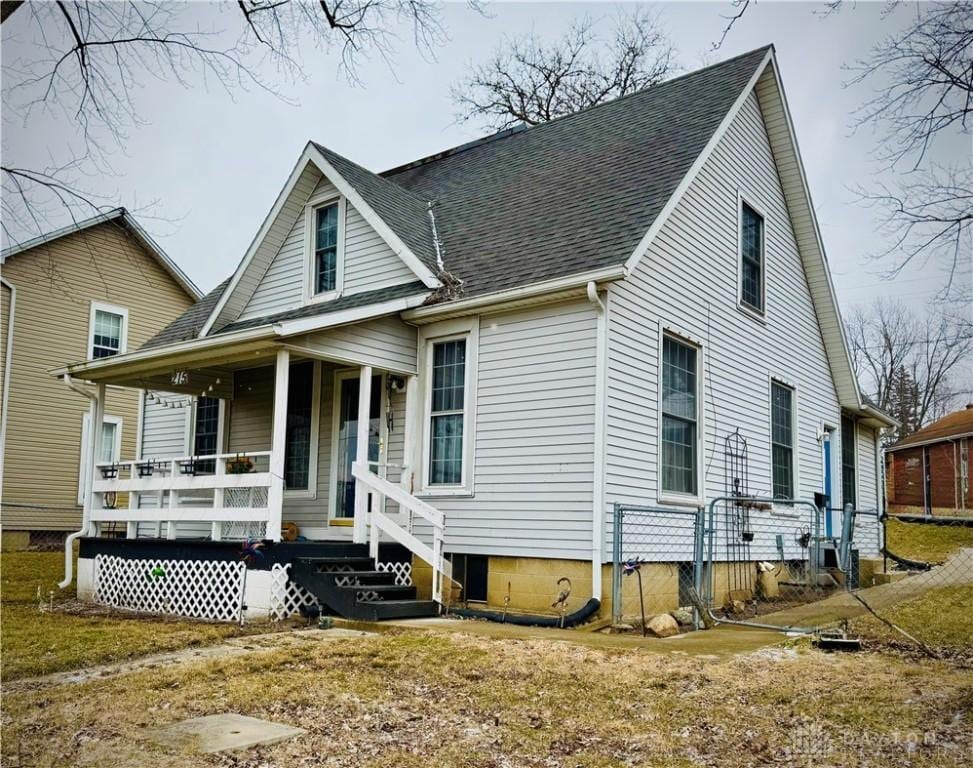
(107, 331)
(782, 439)
(679, 417)
(326, 248)
(751, 258)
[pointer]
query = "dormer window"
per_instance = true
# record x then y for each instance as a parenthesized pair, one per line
(324, 226)
(326, 248)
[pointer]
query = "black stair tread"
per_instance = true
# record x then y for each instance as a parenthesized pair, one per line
(373, 577)
(376, 587)
(398, 609)
(366, 563)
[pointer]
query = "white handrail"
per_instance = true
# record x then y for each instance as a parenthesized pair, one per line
(379, 521)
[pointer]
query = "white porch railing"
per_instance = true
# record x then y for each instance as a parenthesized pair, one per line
(219, 489)
(379, 523)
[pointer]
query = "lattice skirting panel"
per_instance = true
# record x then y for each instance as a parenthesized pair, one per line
(402, 571)
(199, 589)
(286, 597)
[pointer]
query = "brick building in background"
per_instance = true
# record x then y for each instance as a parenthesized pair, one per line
(928, 472)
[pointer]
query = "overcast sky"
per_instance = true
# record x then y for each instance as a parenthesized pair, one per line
(212, 165)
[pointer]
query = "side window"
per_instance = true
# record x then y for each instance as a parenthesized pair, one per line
(108, 442)
(679, 417)
(107, 331)
(751, 259)
(782, 439)
(297, 446)
(447, 412)
(207, 432)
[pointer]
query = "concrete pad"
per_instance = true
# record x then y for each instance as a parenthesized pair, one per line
(218, 733)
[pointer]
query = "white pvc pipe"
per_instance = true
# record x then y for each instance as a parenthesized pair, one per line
(91, 448)
(7, 366)
(598, 505)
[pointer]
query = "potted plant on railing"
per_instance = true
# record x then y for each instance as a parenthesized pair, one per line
(241, 464)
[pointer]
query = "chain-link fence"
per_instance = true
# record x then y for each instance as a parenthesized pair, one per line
(794, 566)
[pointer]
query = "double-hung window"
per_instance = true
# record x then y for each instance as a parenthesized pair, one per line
(679, 418)
(447, 412)
(207, 430)
(324, 224)
(751, 259)
(107, 330)
(849, 484)
(782, 439)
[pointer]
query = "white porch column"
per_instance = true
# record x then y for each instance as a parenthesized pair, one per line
(360, 530)
(94, 437)
(275, 495)
(410, 459)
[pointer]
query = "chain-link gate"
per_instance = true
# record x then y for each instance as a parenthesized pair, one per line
(657, 564)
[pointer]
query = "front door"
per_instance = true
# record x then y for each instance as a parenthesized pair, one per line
(346, 439)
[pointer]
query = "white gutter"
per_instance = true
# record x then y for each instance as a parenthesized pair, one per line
(598, 504)
(8, 351)
(96, 414)
(477, 303)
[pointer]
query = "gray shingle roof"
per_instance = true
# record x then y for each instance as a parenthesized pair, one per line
(405, 212)
(188, 325)
(577, 193)
(343, 302)
(532, 204)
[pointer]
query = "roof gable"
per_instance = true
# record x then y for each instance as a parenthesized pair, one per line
(362, 189)
(122, 218)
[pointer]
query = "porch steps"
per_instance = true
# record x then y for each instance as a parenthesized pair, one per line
(349, 585)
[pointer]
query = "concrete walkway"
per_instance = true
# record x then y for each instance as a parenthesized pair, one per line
(956, 571)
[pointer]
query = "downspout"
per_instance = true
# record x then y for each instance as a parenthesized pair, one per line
(96, 407)
(598, 504)
(8, 351)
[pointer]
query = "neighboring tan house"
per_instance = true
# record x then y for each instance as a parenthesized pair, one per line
(467, 361)
(99, 288)
(928, 472)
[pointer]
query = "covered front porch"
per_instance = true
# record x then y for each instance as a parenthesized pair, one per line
(309, 438)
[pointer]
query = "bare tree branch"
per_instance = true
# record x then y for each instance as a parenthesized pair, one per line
(530, 82)
(908, 365)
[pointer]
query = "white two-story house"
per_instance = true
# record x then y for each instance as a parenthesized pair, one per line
(463, 363)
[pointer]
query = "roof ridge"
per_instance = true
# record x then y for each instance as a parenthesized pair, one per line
(523, 128)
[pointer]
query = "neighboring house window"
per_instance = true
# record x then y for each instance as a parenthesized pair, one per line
(751, 258)
(679, 417)
(107, 447)
(782, 439)
(207, 432)
(108, 330)
(326, 248)
(447, 412)
(297, 450)
(848, 482)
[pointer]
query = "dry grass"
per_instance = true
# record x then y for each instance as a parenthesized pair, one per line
(926, 542)
(36, 642)
(941, 618)
(418, 699)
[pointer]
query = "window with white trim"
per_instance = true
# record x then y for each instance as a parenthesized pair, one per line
(679, 417)
(299, 430)
(782, 439)
(849, 481)
(107, 448)
(326, 248)
(447, 414)
(751, 258)
(107, 330)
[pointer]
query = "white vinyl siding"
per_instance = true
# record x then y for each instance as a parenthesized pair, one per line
(385, 343)
(165, 424)
(534, 441)
(369, 263)
(688, 280)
